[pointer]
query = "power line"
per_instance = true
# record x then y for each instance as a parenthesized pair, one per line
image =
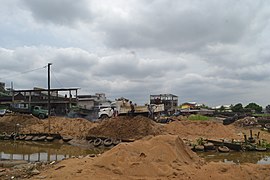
(59, 83)
(24, 72)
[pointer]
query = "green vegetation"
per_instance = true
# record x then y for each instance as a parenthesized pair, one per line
(250, 108)
(254, 107)
(198, 117)
(261, 115)
(200, 141)
(237, 108)
(264, 144)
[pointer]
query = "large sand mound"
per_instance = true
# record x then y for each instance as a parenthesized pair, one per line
(77, 127)
(160, 156)
(206, 129)
(10, 123)
(124, 127)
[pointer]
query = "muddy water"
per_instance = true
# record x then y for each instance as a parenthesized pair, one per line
(237, 157)
(40, 151)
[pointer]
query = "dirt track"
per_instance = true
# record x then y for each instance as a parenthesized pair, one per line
(157, 153)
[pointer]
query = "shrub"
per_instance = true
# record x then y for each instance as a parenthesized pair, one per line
(198, 117)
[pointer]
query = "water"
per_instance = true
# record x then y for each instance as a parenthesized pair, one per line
(237, 157)
(40, 151)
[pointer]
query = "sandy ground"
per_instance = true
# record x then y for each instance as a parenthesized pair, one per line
(193, 130)
(159, 157)
(158, 151)
(77, 127)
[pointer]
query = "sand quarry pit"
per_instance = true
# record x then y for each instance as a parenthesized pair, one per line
(159, 157)
(158, 151)
(122, 127)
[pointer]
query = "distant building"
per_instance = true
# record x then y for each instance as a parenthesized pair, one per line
(60, 104)
(223, 108)
(188, 105)
(188, 108)
(91, 102)
(170, 101)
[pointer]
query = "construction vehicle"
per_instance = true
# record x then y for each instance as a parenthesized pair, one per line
(37, 111)
(123, 107)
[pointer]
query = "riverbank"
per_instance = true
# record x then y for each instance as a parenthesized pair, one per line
(158, 150)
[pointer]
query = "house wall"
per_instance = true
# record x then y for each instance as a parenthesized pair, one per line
(170, 101)
(87, 104)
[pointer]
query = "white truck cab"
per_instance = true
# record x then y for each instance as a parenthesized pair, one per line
(106, 112)
(122, 107)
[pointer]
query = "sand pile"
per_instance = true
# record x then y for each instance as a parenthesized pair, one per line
(10, 123)
(206, 129)
(160, 156)
(77, 127)
(125, 127)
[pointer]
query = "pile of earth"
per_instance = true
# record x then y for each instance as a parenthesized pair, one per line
(159, 157)
(74, 127)
(247, 121)
(151, 157)
(14, 122)
(207, 129)
(125, 127)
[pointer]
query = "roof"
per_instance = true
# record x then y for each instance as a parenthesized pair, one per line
(38, 90)
(158, 95)
(191, 103)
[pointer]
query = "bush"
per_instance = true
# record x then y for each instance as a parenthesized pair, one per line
(198, 118)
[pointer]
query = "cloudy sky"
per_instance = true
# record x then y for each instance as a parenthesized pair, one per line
(212, 52)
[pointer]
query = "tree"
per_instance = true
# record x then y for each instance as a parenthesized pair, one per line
(222, 109)
(237, 108)
(267, 109)
(254, 107)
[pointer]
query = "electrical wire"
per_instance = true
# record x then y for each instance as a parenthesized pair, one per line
(24, 72)
(59, 83)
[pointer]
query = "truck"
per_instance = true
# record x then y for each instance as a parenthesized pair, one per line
(37, 111)
(122, 107)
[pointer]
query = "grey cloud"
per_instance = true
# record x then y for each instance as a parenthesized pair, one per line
(70, 65)
(129, 66)
(207, 51)
(213, 90)
(63, 12)
(179, 25)
(74, 58)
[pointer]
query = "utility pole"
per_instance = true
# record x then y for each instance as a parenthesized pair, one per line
(12, 92)
(49, 94)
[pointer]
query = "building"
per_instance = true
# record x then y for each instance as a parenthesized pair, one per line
(59, 103)
(223, 108)
(91, 102)
(170, 101)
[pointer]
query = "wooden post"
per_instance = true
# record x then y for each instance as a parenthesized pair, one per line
(49, 94)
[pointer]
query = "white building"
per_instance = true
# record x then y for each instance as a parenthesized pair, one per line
(93, 101)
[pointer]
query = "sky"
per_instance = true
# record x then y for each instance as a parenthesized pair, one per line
(210, 52)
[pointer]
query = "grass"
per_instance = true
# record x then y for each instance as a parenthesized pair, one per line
(198, 118)
(261, 115)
